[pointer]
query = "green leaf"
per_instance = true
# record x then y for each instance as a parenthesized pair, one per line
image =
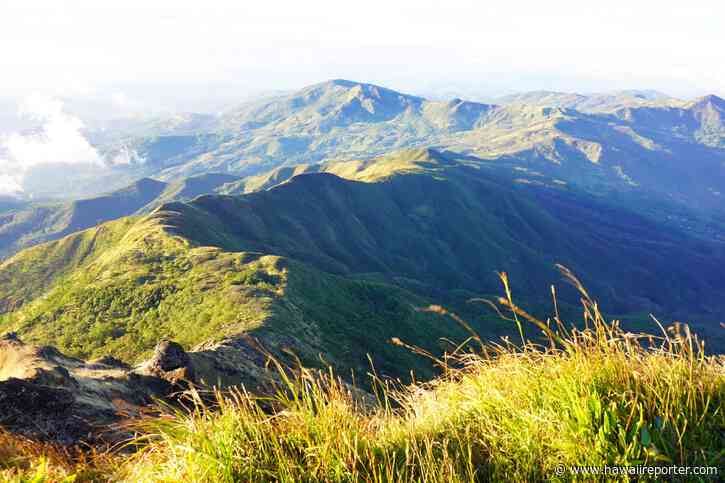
(645, 437)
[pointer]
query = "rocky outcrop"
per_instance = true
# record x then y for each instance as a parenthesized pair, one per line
(170, 362)
(38, 410)
(49, 396)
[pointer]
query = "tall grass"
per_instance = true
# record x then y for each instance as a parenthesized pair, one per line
(24, 460)
(512, 411)
(590, 396)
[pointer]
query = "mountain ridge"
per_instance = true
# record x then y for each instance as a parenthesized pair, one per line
(620, 134)
(439, 232)
(313, 125)
(25, 226)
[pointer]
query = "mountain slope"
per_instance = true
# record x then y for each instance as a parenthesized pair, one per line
(452, 227)
(339, 118)
(119, 288)
(631, 142)
(709, 114)
(659, 205)
(35, 224)
(330, 266)
(592, 103)
(368, 170)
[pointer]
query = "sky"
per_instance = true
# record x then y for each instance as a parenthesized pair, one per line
(132, 55)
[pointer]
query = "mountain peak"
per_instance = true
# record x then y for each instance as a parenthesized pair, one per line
(708, 100)
(643, 94)
(363, 87)
(342, 83)
(142, 185)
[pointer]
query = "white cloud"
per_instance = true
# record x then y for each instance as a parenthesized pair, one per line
(10, 185)
(126, 156)
(60, 139)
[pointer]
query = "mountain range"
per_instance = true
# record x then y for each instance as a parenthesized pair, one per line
(641, 149)
(603, 141)
(319, 222)
(26, 225)
(335, 266)
(643, 145)
(358, 116)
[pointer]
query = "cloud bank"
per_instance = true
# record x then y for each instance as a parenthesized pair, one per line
(58, 140)
(10, 185)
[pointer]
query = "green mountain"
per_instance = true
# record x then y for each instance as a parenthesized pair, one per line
(592, 103)
(333, 268)
(445, 221)
(639, 143)
(120, 288)
(338, 118)
(25, 225)
(344, 204)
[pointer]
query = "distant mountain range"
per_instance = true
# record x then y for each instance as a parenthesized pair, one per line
(634, 141)
(319, 220)
(642, 149)
(334, 267)
(640, 142)
(593, 103)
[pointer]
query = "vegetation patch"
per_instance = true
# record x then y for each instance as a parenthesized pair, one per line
(500, 412)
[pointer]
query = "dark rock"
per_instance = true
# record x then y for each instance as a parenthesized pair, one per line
(49, 396)
(170, 362)
(149, 384)
(169, 356)
(39, 411)
(57, 376)
(10, 336)
(110, 361)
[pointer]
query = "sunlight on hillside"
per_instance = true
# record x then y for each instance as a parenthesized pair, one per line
(509, 411)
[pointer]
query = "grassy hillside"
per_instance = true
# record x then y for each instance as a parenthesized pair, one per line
(367, 170)
(522, 412)
(594, 398)
(37, 223)
(119, 288)
(445, 224)
(319, 260)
